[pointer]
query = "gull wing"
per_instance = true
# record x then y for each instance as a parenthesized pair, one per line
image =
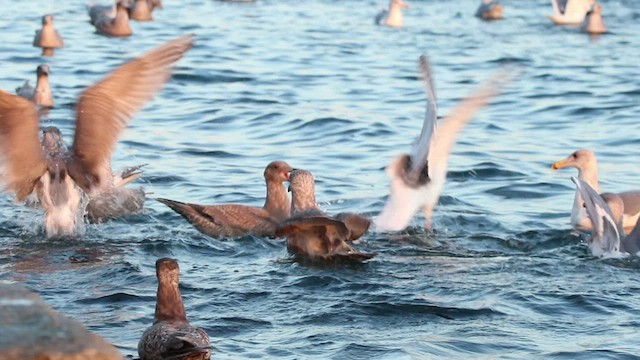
(604, 225)
(21, 159)
(420, 153)
(450, 126)
(105, 109)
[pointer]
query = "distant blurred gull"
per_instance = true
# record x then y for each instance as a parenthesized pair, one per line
(109, 24)
(569, 12)
(233, 220)
(171, 336)
(48, 37)
(605, 213)
(140, 10)
(489, 10)
(311, 234)
(61, 177)
(593, 23)
(41, 95)
(585, 162)
(417, 179)
(393, 16)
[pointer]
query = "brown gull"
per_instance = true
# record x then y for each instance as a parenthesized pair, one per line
(171, 336)
(107, 24)
(41, 95)
(48, 37)
(311, 234)
(233, 220)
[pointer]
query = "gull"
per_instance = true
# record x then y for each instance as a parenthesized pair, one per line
(61, 177)
(605, 212)
(585, 161)
(311, 234)
(569, 12)
(108, 24)
(417, 179)
(593, 23)
(233, 220)
(393, 16)
(41, 95)
(140, 10)
(489, 10)
(171, 336)
(48, 37)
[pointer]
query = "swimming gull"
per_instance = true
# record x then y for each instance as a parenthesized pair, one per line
(311, 234)
(490, 10)
(417, 179)
(593, 23)
(140, 10)
(393, 16)
(48, 37)
(585, 162)
(107, 24)
(41, 95)
(569, 12)
(232, 220)
(171, 336)
(63, 178)
(605, 212)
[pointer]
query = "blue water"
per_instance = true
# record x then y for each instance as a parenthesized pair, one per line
(315, 83)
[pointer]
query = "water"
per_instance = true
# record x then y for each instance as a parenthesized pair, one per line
(317, 85)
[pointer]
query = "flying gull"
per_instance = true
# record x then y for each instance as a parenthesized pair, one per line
(417, 179)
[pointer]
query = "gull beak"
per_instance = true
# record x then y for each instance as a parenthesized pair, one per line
(560, 164)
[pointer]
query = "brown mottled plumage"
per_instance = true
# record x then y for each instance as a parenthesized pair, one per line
(102, 113)
(311, 235)
(117, 26)
(48, 37)
(171, 336)
(233, 220)
(41, 95)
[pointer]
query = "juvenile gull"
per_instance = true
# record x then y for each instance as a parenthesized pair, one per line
(585, 162)
(393, 16)
(233, 220)
(569, 12)
(140, 10)
(593, 23)
(605, 212)
(63, 178)
(107, 24)
(41, 95)
(417, 179)
(489, 10)
(48, 37)
(311, 234)
(171, 336)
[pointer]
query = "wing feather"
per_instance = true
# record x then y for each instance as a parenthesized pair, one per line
(22, 160)
(421, 149)
(445, 137)
(105, 109)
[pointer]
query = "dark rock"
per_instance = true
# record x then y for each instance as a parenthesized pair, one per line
(32, 330)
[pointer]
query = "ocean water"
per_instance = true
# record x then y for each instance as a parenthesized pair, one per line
(315, 83)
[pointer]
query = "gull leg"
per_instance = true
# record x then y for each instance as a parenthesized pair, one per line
(427, 218)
